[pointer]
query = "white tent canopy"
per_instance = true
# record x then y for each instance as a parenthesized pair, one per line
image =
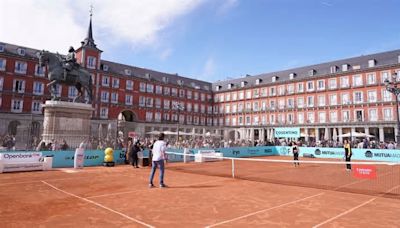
(356, 134)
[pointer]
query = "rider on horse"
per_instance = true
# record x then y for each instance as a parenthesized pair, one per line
(70, 62)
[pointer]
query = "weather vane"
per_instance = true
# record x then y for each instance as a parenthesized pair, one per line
(91, 9)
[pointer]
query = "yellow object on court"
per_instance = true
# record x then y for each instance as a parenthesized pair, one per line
(108, 155)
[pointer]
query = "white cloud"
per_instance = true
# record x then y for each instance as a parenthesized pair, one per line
(209, 69)
(55, 25)
(165, 53)
(227, 5)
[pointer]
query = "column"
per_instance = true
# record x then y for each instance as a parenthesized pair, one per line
(307, 136)
(366, 130)
(381, 135)
(316, 134)
(340, 133)
(395, 134)
(252, 134)
(352, 130)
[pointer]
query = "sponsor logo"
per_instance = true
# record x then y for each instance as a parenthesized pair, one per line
(368, 154)
(268, 151)
(236, 152)
(387, 155)
(284, 150)
(364, 171)
(87, 157)
(317, 152)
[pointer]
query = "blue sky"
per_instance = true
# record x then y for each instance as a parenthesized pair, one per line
(219, 39)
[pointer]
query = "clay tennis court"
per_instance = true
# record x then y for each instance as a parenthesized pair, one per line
(201, 195)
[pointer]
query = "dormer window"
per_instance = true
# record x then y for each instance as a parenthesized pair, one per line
(275, 78)
(312, 72)
(292, 76)
(21, 51)
(345, 67)
(1, 47)
(206, 87)
(165, 79)
(243, 83)
(127, 72)
(147, 76)
(356, 67)
(258, 81)
(180, 82)
(217, 88)
(371, 63)
(398, 59)
(105, 67)
(334, 69)
(230, 86)
(193, 84)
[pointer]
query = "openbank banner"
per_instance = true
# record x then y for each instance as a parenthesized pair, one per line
(287, 132)
(338, 153)
(10, 157)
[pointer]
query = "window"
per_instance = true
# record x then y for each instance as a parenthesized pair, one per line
(321, 84)
(103, 112)
(203, 108)
(115, 83)
(20, 67)
(1, 47)
(272, 104)
(272, 119)
(21, 51)
(272, 91)
(310, 86)
(19, 86)
(17, 105)
(281, 90)
(158, 103)
(321, 101)
(357, 80)
(91, 62)
(281, 103)
(333, 69)
(142, 87)
(128, 100)
(292, 76)
(373, 114)
(1, 83)
(333, 99)
(142, 101)
(300, 117)
(58, 90)
(166, 91)
(358, 97)
(248, 120)
(384, 76)
(345, 67)
(345, 98)
(114, 98)
(263, 92)
(322, 117)
(346, 116)
(256, 106)
(105, 67)
(248, 106)
(300, 102)
(38, 88)
(222, 97)
(371, 62)
(264, 106)
(105, 81)
(39, 70)
(255, 93)
(387, 96)
(196, 108)
(72, 92)
(127, 71)
(234, 96)
(228, 97)
(372, 96)
(158, 89)
(333, 117)
(37, 107)
(157, 117)
(256, 120)
(2, 64)
(300, 87)
(129, 85)
(387, 114)
(203, 96)
(371, 79)
(227, 109)
(248, 94)
(290, 103)
(166, 104)
(310, 101)
(189, 94)
(290, 118)
(344, 82)
(149, 102)
(359, 114)
(209, 109)
(150, 88)
(174, 92)
(258, 81)
(310, 117)
(240, 107)
(234, 108)
(196, 96)
(189, 107)
(233, 121)
(290, 88)
(332, 83)
(105, 96)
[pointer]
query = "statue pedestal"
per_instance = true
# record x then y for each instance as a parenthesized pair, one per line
(66, 121)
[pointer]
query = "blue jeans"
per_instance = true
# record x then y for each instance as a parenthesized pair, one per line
(154, 166)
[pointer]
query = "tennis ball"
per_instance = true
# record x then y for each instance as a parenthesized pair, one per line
(108, 151)
(108, 158)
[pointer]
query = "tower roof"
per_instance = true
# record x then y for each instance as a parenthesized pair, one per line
(89, 41)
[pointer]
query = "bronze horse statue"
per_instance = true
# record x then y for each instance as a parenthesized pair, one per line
(78, 77)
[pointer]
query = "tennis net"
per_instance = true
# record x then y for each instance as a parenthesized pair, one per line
(371, 178)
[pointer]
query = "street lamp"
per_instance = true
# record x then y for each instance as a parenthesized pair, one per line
(180, 108)
(391, 86)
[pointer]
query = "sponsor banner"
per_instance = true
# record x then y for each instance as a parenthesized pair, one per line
(13, 157)
(364, 171)
(287, 132)
(131, 134)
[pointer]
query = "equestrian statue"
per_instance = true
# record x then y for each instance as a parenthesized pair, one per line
(66, 71)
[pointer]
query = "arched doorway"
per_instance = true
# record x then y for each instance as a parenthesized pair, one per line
(232, 134)
(127, 115)
(12, 127)
(126, 123)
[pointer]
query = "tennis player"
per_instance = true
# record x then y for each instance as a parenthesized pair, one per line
(159, 156)
(347, 153)
(295, 151)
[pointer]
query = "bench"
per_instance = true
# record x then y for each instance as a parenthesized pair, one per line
(207, 155)
(24, 161)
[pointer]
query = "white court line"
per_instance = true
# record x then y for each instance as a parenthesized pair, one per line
(99, 205)
(268, 209)
(126, 192)
(352, 209)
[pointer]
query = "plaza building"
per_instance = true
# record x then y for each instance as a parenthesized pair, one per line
(323, 100)
(125, 98)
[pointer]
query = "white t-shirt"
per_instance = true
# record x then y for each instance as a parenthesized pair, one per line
(159, 150)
